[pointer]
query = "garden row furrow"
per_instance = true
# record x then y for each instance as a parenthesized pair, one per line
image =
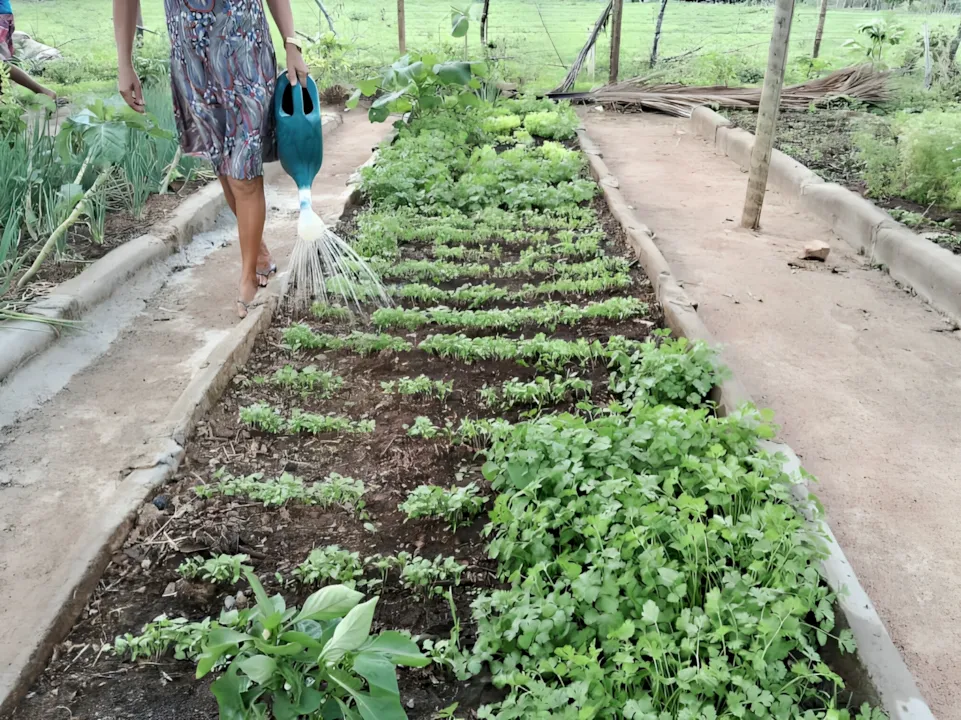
(483, 503)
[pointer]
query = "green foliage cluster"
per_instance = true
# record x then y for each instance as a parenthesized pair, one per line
(549, 315)
(267, 418)
(306, 381)
(455, 505)
(215, 569)
(335, 489)
(658, 569)
(917, 157)
(539, 391)
(420, 385)
(540, 351)
(299, 337)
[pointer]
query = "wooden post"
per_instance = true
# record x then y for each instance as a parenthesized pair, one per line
(767, 114)
(401, 28)
(483, 23)
(820, 31)
(927, 58)
(657, 32)
(616, 40)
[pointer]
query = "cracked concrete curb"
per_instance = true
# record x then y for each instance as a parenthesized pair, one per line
(142, 476)
(931, 271)
(21, 341)
(878, 670)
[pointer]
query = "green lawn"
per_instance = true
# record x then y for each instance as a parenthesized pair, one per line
(730, 36)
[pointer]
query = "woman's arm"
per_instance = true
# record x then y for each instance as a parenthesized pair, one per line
(297, 70)
(124, 28)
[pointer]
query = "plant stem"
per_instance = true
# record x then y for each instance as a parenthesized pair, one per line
(174, 164)
(62, 228)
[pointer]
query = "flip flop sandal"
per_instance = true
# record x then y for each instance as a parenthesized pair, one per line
(247, 306)
(265, 274)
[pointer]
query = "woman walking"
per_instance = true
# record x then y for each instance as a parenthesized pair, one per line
(222, 72)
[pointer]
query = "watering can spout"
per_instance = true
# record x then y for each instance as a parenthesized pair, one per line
(300, 142)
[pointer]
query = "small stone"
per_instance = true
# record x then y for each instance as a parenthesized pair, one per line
(170, 590)
(161, 502)
(141, 590)
(241, 600)
(229, 602)
(815, 250)
(145, 563)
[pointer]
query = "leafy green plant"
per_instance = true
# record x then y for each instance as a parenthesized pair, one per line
(320, 660)
(878, 35)
(159, 635)
(216, 569)
(665, 370)
(420, 573)
(326, 311)
(336, 489)
(560, 124)
(456, 505)
(539, 392)
(100, 135)
(300, 337)
(263, 416)
(420, 385)
(422, 427)
(419, 83)
(539, 350)
(308, 380)
(632, 538)
(330, 565)
(302, 422)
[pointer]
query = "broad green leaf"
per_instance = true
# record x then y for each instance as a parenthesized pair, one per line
(291, 648)
(353, 100)
(378, 671)
(70, 195)
(301, 638)
(453, 72)
(386, 707)
(259, 668)
(228, 689)
(351, 632)
(368, 87)
(459, 24)
(218, 642)
(399, 648)
(331, 602)
(378, 114)
(385, 100)
(106, 142)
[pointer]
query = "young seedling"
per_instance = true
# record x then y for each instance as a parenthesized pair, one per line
(456, 505)
(218, 569)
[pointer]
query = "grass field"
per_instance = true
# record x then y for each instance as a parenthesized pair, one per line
(539, 37)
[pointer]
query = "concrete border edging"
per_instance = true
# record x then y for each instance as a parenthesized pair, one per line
(142, 475)
(20, 341)
(931, 271)
(880, 668)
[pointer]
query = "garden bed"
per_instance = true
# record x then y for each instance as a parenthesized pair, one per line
(823, 141)
(571, 504)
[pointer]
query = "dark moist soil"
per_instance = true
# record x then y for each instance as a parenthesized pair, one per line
(119, 227)
(84, 681)
(823, 140)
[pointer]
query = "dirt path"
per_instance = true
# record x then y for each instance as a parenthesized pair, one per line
(61, 462)
(865, 379)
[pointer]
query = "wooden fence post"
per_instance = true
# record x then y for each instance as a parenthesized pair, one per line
(767, 114)
(401, 28)
(657, 32)
(618, 11)
(820, 31)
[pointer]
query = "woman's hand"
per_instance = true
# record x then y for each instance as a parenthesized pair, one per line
(130, 89)
(297, 70)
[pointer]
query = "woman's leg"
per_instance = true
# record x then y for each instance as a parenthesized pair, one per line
(264, 259)
(250, 206)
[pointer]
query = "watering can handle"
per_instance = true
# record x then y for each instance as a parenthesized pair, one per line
(298, 94)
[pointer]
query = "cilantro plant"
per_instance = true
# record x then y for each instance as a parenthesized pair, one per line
(300, 337)
(336, 489)
(262, 417)
(429, 576)
(308, 380)
(420, 385)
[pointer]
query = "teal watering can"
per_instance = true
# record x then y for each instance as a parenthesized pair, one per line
(300, 142)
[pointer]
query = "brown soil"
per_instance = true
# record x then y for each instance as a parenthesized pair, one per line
(823, 141)
(82, 249)
(85, 681)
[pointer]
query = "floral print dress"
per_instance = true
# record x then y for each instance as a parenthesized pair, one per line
(222, 71)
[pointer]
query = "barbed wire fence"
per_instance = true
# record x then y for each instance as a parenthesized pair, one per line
(536, 41)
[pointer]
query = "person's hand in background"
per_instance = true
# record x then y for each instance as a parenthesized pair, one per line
(130, 89)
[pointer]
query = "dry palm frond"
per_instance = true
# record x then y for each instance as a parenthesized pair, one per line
(860, 82)
(575, 70)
